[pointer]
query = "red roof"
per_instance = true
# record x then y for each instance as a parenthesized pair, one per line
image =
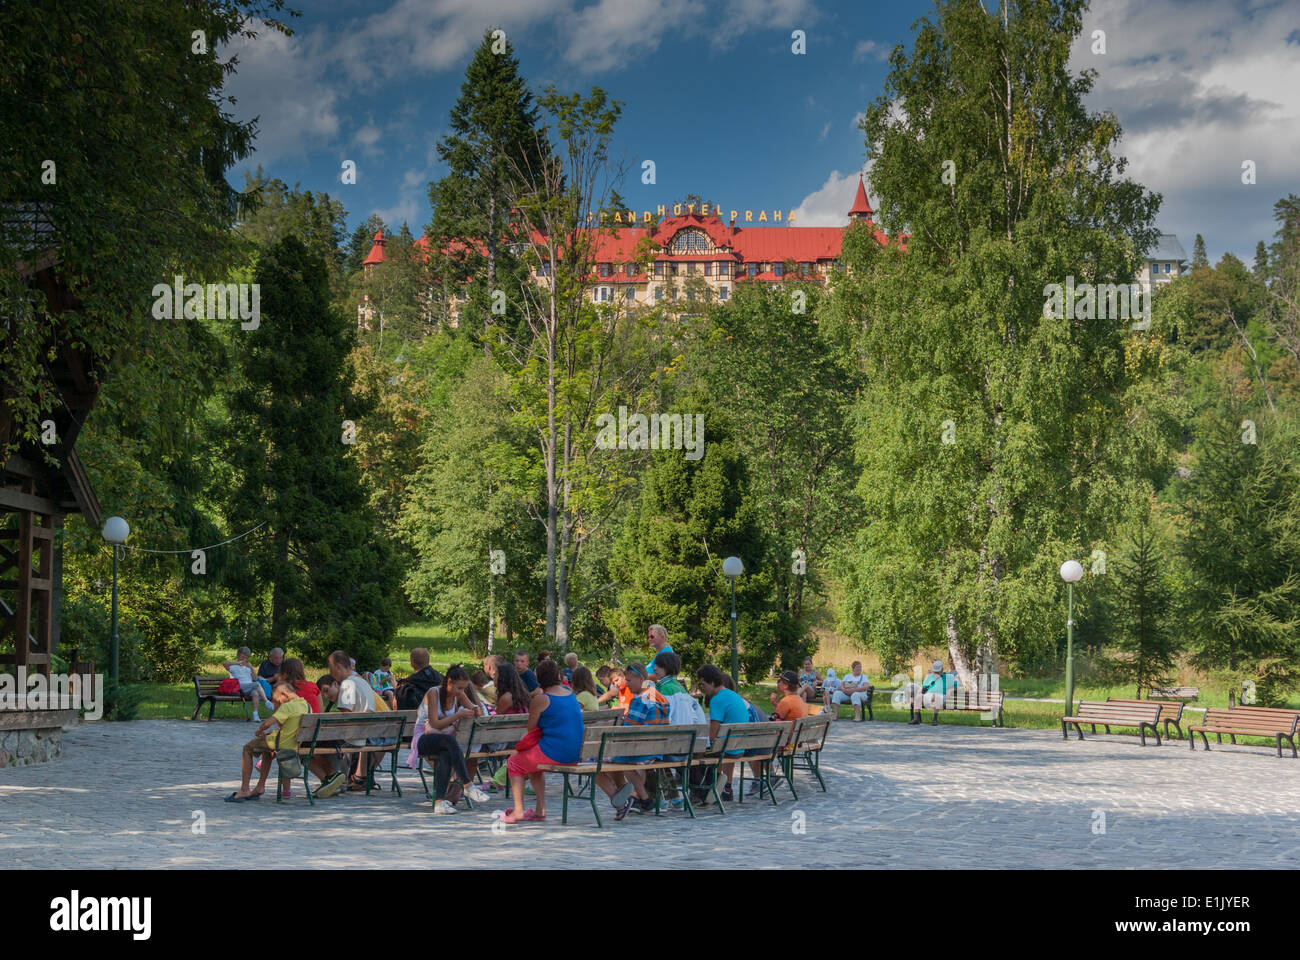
(860, 204)
(376, 254)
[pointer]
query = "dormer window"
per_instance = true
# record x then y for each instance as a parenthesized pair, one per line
(690, 241)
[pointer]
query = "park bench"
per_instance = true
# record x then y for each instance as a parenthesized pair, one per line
(330, 732)
(1248, 722)
(981, 701)
(617, 750)
(205, 692)
(1174, 693)
(762, 740)
(1143, 714)
(483, 739)
(801, 748)
(1171, 712)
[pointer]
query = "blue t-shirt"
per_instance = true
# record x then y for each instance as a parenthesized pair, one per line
(561, 724)
(650, 665)
(530, 680)
(727, 706)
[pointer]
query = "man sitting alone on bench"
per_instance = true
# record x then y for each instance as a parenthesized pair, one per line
(930, 693)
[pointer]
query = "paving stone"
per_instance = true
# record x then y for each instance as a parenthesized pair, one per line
(900, 797)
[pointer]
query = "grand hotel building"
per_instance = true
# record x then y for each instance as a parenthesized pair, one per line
(696, 254)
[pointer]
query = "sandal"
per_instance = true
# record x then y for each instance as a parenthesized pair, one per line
(532, 815)
(509, 817)
(233, 798)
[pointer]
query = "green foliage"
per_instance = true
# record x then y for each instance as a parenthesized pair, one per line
(994, 442)
(135, 121)
(1242, 534)
(1140, 608)
(472, 494)
(762, 356)
(691, 516)
(318, 575)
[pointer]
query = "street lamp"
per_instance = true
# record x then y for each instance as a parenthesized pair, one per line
(731, 569)
(115, 531)
(1071, 573)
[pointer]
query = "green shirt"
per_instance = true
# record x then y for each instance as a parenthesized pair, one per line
(669, 686)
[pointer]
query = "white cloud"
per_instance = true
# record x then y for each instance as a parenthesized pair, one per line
(825, 130)
(302, 112)
(870, 50)
(828, 206)
(1199, 86)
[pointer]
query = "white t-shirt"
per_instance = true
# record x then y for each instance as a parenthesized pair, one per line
(356, 696)
(243, 673)
(860, 679)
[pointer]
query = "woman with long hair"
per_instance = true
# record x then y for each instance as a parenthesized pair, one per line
(584, 688)
(447, 706)
(512, 695)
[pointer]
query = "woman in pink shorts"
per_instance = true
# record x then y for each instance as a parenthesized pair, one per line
(555, 731)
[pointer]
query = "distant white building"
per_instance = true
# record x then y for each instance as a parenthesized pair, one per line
(1166, 261)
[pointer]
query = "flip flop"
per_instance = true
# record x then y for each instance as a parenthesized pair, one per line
(532, 815)
(509, 817)
(234, 799)
(253, 796)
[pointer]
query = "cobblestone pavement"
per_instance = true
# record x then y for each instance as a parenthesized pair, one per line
(127, 795)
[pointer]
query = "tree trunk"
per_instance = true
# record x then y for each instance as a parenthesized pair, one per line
(959, 662)
(551, 490)
(278, 602)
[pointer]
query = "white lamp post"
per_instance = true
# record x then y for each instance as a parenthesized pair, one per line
(115, 531)
(1071, 573)
(731, 569)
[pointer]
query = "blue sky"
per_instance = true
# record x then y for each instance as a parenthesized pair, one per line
(714, 95)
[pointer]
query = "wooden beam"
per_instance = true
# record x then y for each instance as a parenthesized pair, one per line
(36, 719)
(17, 500)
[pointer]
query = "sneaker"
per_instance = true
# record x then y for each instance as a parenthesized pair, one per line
(726, 793)
(330, 786)
(476, 795)
(677, 802)
(642, 806)
(621, 811)
(755, 789)
(443, 807)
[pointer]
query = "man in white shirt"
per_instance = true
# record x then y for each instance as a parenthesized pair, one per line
(854, 689)
(354, 696)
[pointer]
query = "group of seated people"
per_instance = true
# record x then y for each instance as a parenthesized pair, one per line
(553, 696)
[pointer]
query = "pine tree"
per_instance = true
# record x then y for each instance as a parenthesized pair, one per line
(1261, 261)
(1242, 533)
(494, 145)
(691, 516)
(1199, 259)
(320, 575)
(1139, 613)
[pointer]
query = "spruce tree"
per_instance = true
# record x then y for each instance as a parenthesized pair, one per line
(494, 144)
(1199, 258)
(1242, 535)
(1261, 261)
(319, 575)
(691, 516)
(1140, 613)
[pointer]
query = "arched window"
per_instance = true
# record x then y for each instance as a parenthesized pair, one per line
(690, 241)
